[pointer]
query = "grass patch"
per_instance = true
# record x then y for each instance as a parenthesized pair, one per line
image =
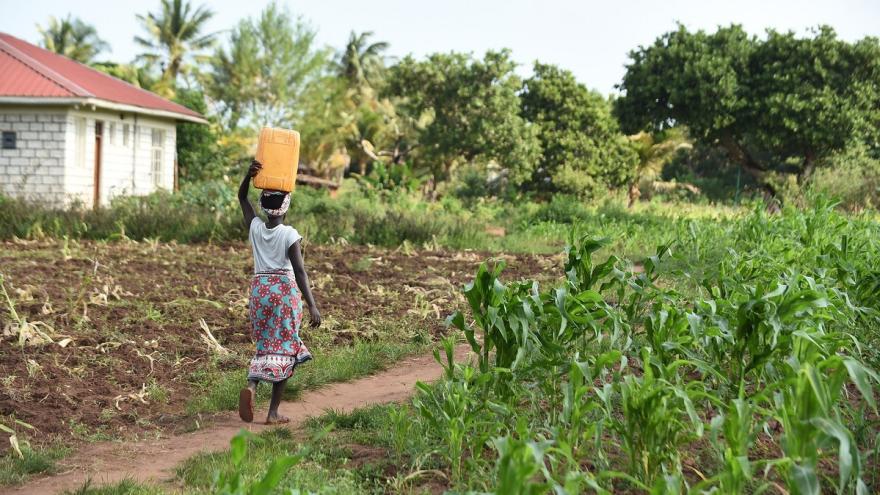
(315, 474)
(342, 453)
(339, 365)
(15, 470)
(124, 487)
(347, 363)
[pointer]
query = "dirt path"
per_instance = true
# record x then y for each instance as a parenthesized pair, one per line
(155, 460)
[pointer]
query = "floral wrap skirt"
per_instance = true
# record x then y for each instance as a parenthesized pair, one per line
(276, 311)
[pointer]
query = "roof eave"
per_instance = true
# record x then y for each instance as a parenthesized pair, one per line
(100, 103)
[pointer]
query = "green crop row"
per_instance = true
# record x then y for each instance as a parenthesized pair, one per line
(758, 374)
(740, 358)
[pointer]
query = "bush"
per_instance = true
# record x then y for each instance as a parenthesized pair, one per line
(209, 212)
(562, 209)
(852, 176)
(710, 169)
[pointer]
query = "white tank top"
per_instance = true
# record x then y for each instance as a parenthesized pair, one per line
(270, 246)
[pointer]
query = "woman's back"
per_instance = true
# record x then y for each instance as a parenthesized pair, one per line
(271, 245)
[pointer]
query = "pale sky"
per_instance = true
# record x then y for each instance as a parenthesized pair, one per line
(590, 38)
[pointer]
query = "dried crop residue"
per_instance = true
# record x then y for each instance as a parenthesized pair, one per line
(133, 313)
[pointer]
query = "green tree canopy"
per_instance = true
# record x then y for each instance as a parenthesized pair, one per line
(582, 147)
(135, 74)
(470, 112)
(268, 68)
(362, 62)
(173, 34)
(197, 155)
(777, 104)
(72, 38)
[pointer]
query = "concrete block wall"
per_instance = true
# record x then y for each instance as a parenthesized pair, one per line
(35, 168)
(55, 154)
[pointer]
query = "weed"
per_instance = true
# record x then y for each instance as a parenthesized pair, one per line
(156, 392)
(15, 469)
(124, 487)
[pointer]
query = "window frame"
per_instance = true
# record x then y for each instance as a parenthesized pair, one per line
(81, 137)
(157, 156)
(7, 138)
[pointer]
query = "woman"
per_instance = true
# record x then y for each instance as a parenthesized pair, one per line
(278, 287)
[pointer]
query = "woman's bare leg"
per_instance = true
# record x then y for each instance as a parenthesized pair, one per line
(275, 401)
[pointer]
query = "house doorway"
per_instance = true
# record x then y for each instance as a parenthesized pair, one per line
(99, 134)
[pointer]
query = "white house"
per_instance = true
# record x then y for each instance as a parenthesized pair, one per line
(72, 133)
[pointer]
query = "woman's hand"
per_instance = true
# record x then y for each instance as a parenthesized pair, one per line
(254, 168)
(315, 321)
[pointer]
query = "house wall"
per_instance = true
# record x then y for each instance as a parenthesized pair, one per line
(55, 154)
(126, 166)
(35, 167)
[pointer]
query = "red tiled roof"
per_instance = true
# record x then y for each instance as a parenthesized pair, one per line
(29, 71)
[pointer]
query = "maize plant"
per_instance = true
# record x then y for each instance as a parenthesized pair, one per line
(808, 407)
(519, 461)
(611, 375)
(499, 313)
(657, 418)
(231, 482)
(733, 435)
(453, 409)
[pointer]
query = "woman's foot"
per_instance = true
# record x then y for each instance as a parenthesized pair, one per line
(277, 419)
(246, 404)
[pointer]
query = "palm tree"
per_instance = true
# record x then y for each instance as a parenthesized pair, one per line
(362, 63)
(72, 38)
(655, 151)
(173, 33)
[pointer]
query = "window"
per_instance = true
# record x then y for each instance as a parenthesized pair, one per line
(125, 132)
(157, 153)
(8, 140)
(111, 132)
(81, 141)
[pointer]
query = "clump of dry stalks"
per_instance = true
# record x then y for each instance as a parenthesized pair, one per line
(29, 332)
(208, 338)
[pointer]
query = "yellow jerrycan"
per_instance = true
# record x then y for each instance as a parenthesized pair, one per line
(278, 152)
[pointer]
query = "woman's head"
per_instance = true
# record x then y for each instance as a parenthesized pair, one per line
(275, 203)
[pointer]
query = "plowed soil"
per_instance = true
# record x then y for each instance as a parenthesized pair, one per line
(125, 322)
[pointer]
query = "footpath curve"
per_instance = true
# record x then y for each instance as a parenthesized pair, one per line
(155, 460)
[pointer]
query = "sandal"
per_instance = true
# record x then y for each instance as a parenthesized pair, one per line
(246, 405)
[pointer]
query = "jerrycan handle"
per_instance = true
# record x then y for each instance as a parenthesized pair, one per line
(280, 137)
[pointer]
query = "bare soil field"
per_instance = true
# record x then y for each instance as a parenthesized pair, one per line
(119, 334)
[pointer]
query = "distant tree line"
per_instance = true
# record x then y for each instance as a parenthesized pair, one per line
(774, 106)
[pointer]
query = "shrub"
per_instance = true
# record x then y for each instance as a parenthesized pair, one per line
(852, 176)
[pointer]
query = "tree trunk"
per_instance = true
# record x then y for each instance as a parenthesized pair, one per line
(738, 154)
(809, 167)
(634, 193)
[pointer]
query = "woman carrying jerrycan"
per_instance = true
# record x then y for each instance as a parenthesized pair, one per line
(280, 283)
